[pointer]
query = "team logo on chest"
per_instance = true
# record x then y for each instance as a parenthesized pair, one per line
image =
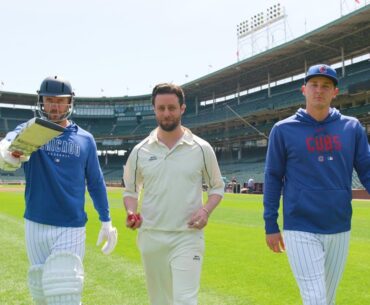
(58, 149)
(323, 143)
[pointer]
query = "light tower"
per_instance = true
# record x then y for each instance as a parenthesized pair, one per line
(260, 32)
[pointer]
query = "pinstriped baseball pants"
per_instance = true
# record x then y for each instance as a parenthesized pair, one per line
(43, 240)
(317, 262)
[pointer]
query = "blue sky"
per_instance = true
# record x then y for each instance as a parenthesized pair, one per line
(125, 47)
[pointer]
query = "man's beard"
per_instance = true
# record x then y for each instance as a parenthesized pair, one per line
(55, 116)
(170, 126)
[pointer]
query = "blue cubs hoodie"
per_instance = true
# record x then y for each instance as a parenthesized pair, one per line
(311, 162)
(56, 178)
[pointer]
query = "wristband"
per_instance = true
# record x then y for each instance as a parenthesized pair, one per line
(107, 224)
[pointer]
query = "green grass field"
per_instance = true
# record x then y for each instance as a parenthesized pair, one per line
(238, 269)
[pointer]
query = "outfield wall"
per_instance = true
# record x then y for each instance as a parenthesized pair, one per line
(360, 194)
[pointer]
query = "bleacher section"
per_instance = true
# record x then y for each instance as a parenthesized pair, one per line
(217, 123)
(256, 103)
(287, 95)
(112, 167)
(19, 114)
(242, 171)
(12, 177)
(110, 122)
(12, 117)
(249, 165)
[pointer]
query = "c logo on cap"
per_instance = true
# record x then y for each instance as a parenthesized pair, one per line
(322, 69)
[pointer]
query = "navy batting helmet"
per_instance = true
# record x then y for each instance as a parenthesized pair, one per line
(55, 86)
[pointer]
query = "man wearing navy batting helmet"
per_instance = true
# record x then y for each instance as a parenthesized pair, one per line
(310, 157)
(56, 177)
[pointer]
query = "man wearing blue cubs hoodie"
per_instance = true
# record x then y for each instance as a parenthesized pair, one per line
(56, 178)
(310, 158)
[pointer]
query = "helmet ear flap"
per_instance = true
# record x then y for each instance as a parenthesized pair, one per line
(40, 107)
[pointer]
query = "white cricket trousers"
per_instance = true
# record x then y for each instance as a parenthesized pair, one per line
(172, 264)
(43, 240)
(317, 262)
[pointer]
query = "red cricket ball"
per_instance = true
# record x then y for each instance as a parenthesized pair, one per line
(134, 217)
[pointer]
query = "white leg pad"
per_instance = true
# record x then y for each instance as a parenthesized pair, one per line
(62, 279)
(35, 284)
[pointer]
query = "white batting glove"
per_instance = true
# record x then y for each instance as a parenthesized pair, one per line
(7, 161)
(108, 234)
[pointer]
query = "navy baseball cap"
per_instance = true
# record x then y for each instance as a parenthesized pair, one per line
(322, 70)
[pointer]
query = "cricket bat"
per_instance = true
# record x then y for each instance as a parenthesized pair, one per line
(34, 134)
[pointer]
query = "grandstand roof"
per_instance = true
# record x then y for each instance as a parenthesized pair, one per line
(17, 98)
(323, 45)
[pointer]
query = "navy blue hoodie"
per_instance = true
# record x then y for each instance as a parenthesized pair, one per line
(312, 162)
(56, 178)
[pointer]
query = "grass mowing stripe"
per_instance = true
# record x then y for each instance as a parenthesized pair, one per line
(238, 268)
(112, 280)
(14, 262)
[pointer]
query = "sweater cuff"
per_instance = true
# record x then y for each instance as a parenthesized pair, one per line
(271, 227)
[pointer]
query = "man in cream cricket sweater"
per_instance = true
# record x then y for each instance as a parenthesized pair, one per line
(170, 166)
